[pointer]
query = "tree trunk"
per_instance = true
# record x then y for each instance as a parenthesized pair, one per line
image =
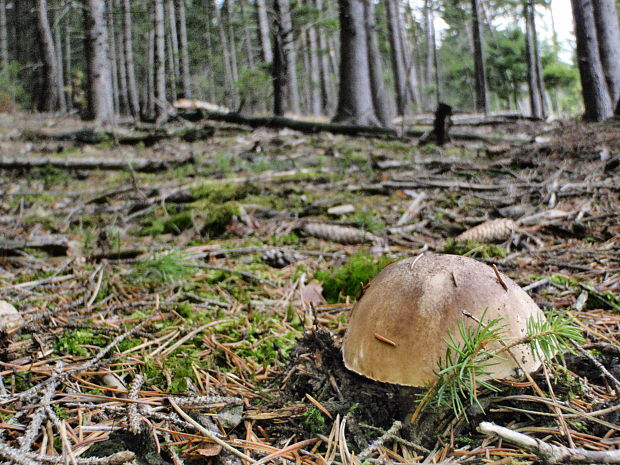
(327, 88)
(232, 42)
(228, 74)
(398, 65)
(149, 90)
(355, 103)
(122, 69)
(171, 68)
(172, 45)
(374, 67)
(263, 31)
(4, 43)
(183, 48)
(482, 99)
(285, 24)
(409, 62)
(608, 34)
(132, 88)
(536, 102)
(62, 100)
(112, 58)
(246, 35)
(278, 71)
(315, 70)
(209, 71)
(596, 98)
(160, 63)
(429, 29)
(69, 91)
(50, 98)
(539, 71)
(98, 64)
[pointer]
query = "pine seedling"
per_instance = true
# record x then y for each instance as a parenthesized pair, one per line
(171, 267)
(552, 336)
(460, 371)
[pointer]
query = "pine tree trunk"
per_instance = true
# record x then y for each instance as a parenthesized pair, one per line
(50, 100)
(62, 100)
(228, 74)
(209, 72)
(398, 65)
(596, 98)
(149, 91)
(355, 102)
(69, 91)
(539, 71)
(536, 105)
(232, 42)
(172, 45)
(247, 37)
(112, 59)
(482, 99)
(161, 106)
(409, 63)
(4, 42)
(327, 88)
(379, 99)
(100, 106)
(171, 67)
(608, 34)
(263, 31)
(429, 29)
(132, 88)
(285, 23)
(183, 48)
(315, 70)
(278, 69)
(122, 69)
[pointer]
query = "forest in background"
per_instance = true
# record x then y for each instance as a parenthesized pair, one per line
(282, 56)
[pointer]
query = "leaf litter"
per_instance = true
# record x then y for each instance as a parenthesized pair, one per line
(196, 313)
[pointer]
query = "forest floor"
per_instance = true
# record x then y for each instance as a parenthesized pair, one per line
(195, 312)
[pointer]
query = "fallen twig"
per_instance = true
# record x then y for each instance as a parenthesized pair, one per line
(549, 453)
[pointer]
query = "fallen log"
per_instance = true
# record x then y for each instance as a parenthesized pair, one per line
(122, 136)
(93, 163)
(312, 127)
(55, 245)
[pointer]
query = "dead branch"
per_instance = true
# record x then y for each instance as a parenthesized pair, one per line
(53, 244)
(312, 127)
(94, 163)
(147, 136)
(549, 453)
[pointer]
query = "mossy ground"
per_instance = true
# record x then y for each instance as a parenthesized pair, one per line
(196, 269)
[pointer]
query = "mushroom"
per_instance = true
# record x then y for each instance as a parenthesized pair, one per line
(398, 330)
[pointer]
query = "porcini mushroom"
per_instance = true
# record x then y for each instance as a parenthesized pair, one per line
(398, 330)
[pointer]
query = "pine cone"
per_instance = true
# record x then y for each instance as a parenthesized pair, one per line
(279, 258)
(489, 231)
(340, 234)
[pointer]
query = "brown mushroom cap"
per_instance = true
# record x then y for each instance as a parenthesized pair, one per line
(398, 330)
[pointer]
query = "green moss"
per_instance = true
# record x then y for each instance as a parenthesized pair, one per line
(223, 192)
(217, 218)
(367, 220)
(178, 365)
(349, 278)
(178, 223)
(314, 421)
(473, 249)
(286, 239)
(168, 268)
(71, 342)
